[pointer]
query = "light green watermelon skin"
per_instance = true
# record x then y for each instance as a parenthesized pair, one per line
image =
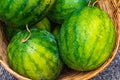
(18, 13)
(44, 24)
(62, 8)
(56, 31)
(87, 39)
(37, 58)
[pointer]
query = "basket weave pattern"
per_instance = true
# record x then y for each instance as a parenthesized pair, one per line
(112, 7)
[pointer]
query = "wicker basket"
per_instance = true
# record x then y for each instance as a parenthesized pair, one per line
(112, 7)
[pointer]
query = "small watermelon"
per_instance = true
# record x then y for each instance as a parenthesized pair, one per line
(87, 38)
(37, 58)
(56, 31)
(62, 8)
(44, 24)
(18, 13)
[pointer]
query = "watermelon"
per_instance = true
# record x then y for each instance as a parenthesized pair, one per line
(44, 24)
(18, 13)
(37, 58)
(87, 38)
(56, 31)
(62, 8)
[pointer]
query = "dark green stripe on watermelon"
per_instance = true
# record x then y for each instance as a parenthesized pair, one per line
(4, 7)
(87, 38)
(19, 8)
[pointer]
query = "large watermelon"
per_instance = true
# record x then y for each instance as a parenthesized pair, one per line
(37, 58)
(62, 8)
(87, 39)
(18, 13)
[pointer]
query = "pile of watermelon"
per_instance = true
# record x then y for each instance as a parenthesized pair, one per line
(46, 35)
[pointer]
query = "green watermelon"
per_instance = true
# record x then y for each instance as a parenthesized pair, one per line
(37, 58)
(62, 8)
(18, 13)
(87, 38)
(56, 32)
(44, 24)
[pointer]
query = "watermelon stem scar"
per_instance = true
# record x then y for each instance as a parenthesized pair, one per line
(24, 40)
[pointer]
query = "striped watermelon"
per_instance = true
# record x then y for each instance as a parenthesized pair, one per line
(62, 8)
(87, 39)
(37, 58)
(18, 13)
(44, 24)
